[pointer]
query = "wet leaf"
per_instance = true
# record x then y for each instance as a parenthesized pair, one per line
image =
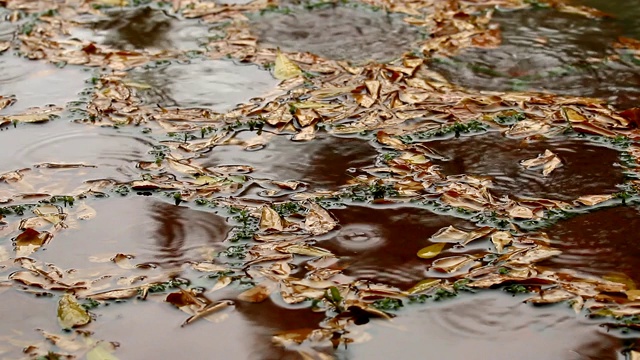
(451, 264)
(423, 286)
(306, 250)
(572, 116)
(114, 294)
(270, 220)
(256, 294)
(70, 313)
(51, 213)
(208, 310)
(501, 239)
(590, 200)
(551, 296)
(431, 251)
(549, 162)
(621, 278)
(319, 221)
(449, 234)
(30, 240)
(285, 68)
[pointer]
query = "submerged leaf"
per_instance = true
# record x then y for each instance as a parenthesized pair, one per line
(70, 313)
(285, 68)
(431, 251)
(102, 351)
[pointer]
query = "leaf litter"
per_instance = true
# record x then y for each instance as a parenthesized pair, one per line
(400, 105)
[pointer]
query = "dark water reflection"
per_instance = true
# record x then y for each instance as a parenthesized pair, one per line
(323, 162)
(338, 32)
(544, 50)
(142, 28)
(603, 242)
(151, 230)
(587, 168)
(380, 244)
(215, 84)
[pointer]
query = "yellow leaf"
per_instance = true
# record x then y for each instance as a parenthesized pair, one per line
(285, 68)
(431, 251)
(70, 313)
(423, 286)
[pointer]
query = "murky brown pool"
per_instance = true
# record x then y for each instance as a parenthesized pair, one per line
(177, 172)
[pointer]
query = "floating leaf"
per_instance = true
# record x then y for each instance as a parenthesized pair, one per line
(501, 239)
(70, 313)
(270, 220)
(451, 264)
(423, 285)
(319, 221)
(30, 240)
(431, 251)
(256, 294)
(621, 278)
(548, 160)
(285, 68)
(306, 250)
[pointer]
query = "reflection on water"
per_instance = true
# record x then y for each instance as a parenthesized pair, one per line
(141, 28)
(586, 167)
(380, 244)
(544, 50)
(107, 153)
(323, 162)
(214, 84)
(626, 14)
(36, 83)
(152, 231)
(486, 326)
(602, 242)
(340, 33)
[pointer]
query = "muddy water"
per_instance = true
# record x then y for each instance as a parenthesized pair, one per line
(547, 51)
(374, 243)
(339, 32)
(596, 243)
(189, 84)
(322, 163)
(587, 168)
(380, 244)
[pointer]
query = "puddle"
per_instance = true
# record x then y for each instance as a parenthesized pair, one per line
(603, 242)
(141, 29)
(498, 326)
(626, 14)
(548, 51)
(215, 84)
(35, 83)
(587, 169)
(323, 162)
(152, 231)
(380, 244)
(105, 154)
(340, 33)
